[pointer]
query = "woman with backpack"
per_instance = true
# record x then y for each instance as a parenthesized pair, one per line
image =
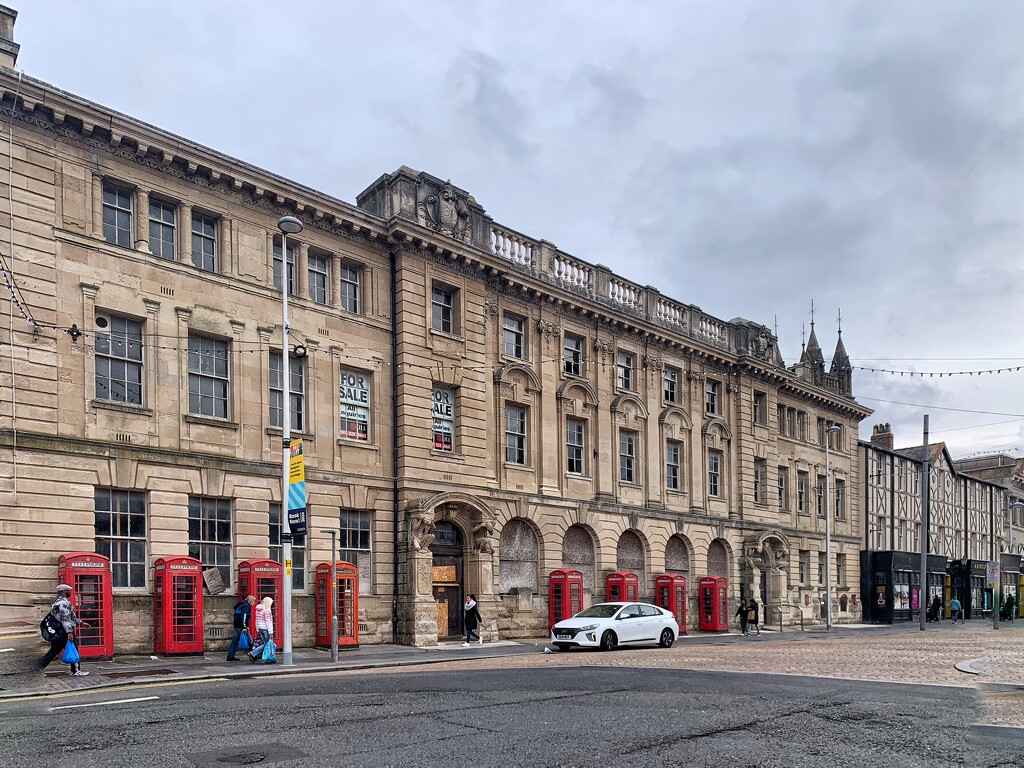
(64, 620)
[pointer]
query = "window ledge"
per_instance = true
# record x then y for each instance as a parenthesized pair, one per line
(295, 435)
(344, 441)
(518, 467)
(631, 484)
(210, 421)
(447, 335)
(578, 476)
(448, 456)
(114, 405)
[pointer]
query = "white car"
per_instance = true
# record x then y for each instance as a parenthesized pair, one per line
(609, 625)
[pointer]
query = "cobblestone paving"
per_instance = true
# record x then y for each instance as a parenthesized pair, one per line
(901, 657)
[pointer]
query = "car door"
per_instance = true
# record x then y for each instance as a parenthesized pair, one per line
(652, 622)
(628, 626)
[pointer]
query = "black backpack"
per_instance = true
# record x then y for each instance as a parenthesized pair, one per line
(50, 628)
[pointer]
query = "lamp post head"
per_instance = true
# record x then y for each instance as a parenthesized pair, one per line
(289, 225)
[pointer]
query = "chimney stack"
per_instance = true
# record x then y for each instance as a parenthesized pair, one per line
(8, 48)
(881, 435)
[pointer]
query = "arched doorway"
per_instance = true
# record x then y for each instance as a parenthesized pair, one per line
(677, 556)
(630, 556)
(447, 551)
(718, 559)
(578, 553)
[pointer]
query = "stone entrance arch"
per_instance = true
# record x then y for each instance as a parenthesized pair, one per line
(478, 542)
(766, 571)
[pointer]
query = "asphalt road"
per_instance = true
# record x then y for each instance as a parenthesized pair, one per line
(593, 716)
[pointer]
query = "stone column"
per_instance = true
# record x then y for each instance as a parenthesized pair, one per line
(301, 251)
(334, 289)
(184, 315)
(97, 205)
(185, 233)
(150, 355)
(141, 220)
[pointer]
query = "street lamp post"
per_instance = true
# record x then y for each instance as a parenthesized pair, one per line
(332, 593)
(830, 429)
(289, 225)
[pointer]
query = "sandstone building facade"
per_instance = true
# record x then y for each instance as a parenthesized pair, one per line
(478, 407)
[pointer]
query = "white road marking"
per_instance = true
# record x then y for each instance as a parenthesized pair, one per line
(6, 650)
(104, 703)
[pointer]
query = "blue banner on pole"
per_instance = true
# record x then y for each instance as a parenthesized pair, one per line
(296, 490)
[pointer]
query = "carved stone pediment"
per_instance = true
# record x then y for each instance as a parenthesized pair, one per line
(768, 551)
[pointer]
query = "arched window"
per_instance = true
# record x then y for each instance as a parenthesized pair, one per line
(517, 560)
(578, 553)
(677, 556)
(718, 559)
(629, 556)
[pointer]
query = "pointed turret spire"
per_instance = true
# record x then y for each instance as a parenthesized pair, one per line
(840, 360)
(813, 354)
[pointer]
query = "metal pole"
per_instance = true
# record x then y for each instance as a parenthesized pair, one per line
(828, 539)
(332, 594)
(286, 424)
(925, 474)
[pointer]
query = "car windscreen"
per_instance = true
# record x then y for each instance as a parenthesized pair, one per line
(601, 611)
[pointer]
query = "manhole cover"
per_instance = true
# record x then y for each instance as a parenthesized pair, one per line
(243, 758)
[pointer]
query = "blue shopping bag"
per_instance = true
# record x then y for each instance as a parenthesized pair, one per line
(70, 653)
(243, 641)
(269, 652)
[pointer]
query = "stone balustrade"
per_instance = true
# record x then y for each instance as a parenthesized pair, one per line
(572, 273)
(629, 295)
(512, 247)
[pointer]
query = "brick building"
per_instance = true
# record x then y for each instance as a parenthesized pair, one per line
(478, 407)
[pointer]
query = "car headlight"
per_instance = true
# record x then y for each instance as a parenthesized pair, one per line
(588, 627)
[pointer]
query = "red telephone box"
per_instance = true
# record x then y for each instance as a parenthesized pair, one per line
(263, 578)
(177, 605)
(713, 604)
(565, 594)
(88, 575)
(347, 604)
(670, 593)
(621, 586)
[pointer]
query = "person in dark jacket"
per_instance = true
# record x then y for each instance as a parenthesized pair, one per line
(241, 613)
(934, 610)
(742, 613)
(64, 612)
(754, 616)
(472, 620)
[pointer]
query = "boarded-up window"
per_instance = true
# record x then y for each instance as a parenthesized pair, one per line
(718, 560)
(629, 556)
(578, 553)
(518, 557)
(677, 556)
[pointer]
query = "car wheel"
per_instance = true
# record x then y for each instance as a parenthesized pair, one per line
(609, 642)
(667, 638)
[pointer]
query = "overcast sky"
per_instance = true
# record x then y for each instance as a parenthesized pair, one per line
(747, 157)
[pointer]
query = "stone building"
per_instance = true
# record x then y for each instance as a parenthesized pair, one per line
(478, 407)
(965, 526)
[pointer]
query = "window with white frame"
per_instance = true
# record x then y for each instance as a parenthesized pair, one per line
(208, 377)
(575, 440)
(209, 533)
(354, 405)
(118, 359)
(572, 354)
(714, 473)
(296, 391)
(627, 456)
(802, 479)
(162, 218)
(279, 267)
(443, 415)
(820, 496)
(442, 308)
(204, 242)
(712, 397)
(513, 336)
(760, 408)
(839, 509)
(355, 545)
(673, 465)
(318, 278)
(117, 215)
(670, 384)
(349, 284)
(515, 434)
(298, 548)
(784, 488)
(120, 528)
(821, 567)
(760, 481)
(625, 370)
(805, 566)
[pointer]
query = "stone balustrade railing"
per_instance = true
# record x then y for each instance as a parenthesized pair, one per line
(576, 275)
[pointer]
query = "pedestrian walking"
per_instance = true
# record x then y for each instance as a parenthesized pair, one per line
(934, 610)
(264, 627)
(754, 616)
(473, 620)
(240, 621)
(954, 610)
(62, 610)
(741, 612)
